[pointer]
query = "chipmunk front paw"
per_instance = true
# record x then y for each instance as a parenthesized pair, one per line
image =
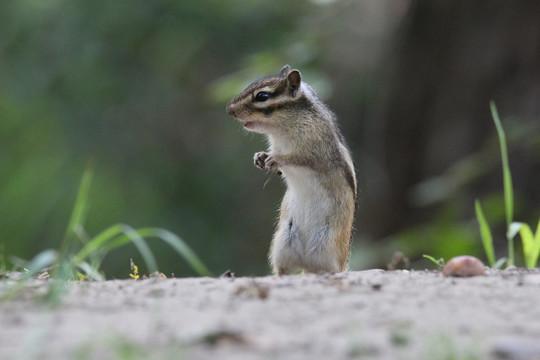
(263, 160)
(259, 159)
(271, 162)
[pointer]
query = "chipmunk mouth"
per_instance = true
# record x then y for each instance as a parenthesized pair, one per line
(255, 126)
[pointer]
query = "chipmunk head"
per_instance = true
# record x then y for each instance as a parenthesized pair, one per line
(269, 102)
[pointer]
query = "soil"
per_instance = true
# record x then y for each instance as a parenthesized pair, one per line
(370, 314)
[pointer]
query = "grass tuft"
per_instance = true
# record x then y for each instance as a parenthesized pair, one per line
(531, 242)
(80, 256)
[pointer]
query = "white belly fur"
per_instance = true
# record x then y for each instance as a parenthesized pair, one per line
(309, 206)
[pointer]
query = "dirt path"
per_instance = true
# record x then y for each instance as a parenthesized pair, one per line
(366, 315)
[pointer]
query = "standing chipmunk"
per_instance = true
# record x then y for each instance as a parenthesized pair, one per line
(307, 148)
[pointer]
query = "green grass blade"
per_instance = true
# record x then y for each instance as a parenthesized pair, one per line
(38, 263)
(500, 263)
(527, 239)
(507, 181)
(142, 246)
(179, 246)
(98, 243)
(174, 241)
(113, 237)
(485, 232)
(80, 209)
(41, 261)
(513, 230)
(439, 263)
(536, 244)
(507, 176)
(531, 244)
(90, 271)
(77, 219)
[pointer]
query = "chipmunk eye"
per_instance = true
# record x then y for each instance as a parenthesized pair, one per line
(262, 96)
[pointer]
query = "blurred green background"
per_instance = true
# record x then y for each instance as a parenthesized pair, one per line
(139, 89)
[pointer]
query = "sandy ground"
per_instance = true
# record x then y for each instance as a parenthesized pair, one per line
(355, 315)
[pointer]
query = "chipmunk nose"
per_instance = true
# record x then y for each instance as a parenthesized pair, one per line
(230, 110)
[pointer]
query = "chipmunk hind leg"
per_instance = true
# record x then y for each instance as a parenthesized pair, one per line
(328, 251)
(283, 253)
(342, 246)
(321, 255)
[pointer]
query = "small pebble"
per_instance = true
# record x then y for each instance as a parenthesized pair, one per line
(464, 266)
(516, 349)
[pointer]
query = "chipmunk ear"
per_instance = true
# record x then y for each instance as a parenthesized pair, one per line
(284, 71)
(294, 79)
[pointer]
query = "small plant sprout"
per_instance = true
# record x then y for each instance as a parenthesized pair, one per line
(134, 270)
(530, 241)
(439, 263)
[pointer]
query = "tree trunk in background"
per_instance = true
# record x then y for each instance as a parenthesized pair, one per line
(448, 60)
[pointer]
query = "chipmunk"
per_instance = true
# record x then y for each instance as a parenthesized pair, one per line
(306, 146)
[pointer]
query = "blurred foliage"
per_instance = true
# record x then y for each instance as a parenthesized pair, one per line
(140, 87)
(135, 86)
